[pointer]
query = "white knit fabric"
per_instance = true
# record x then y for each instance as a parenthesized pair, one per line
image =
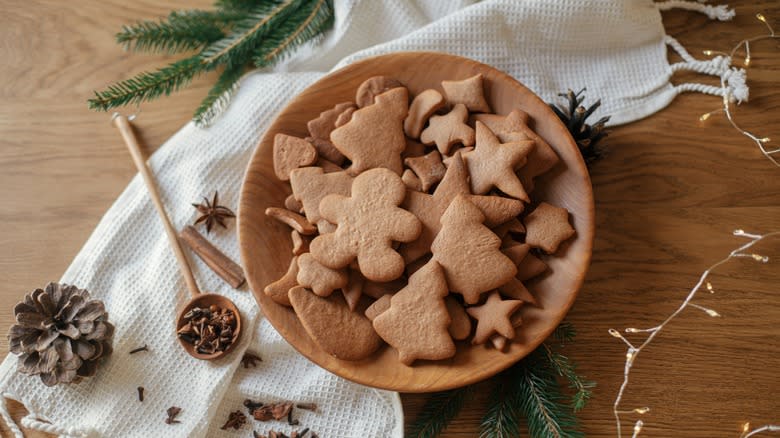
(616, 48)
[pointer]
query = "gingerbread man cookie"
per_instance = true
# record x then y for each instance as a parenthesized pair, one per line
(367, 223)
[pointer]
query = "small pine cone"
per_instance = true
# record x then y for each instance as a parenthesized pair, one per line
(60, 334)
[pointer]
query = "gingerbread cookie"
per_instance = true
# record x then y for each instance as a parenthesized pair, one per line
(530, 267)
(368, 223)
(373, 87)
(293, 204)
(294, 220)
(300, 244)
(469, 92)
(413, 149)
(547, 226)
(411, 181)
(493, 317)
(448, 130)
(497, 209)
(416, 322)
(291, 153)
(377, 124)
(311, 184)
(328, 321)
(511, 226)
(515, 127)
(377, 307)
(516, 252)
(492, 164)
(460, 327)
(428, 168)
(499, 342)
(320, 279)
(377, 290)
(468, 252)
(320, 129)
(328, 166)
(279, 288)
(354, 289)
(421, 108)
(430, 208)
(345, 117)
(516, 290)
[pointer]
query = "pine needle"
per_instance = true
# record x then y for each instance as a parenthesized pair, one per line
(247, 34)
(148, 85)
(302, 26)
(541, 400)
(180, 32)
(567, 369)
(502, 417)
(219, 97)
(438, 411)
(564, 333)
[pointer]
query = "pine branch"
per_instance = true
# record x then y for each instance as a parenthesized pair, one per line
(149, 85)
(248, 33)
(219, 96)
(302, 26)
(564, 333)
(181, 31)
(567, 369)
(239, 5)
(541, 400)
(438, 411)
(501, 418)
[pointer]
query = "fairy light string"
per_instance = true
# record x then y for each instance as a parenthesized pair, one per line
(760, 141)
(633, 350)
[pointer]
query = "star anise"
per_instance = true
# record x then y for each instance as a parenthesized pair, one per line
(212, 213)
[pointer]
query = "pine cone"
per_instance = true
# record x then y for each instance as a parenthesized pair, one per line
(574, 116)
(60, 334)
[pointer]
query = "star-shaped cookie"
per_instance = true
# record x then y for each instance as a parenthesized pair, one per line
(494, 317)
(547, 226)
(469, 92)
(428, 168)
(449, 129)
(516, 126)
(492, 163)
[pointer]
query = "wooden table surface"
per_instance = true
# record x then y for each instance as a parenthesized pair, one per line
(668, 195)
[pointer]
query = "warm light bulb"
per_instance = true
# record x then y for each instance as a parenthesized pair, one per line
(745, 427)
(759, 258)
(761, 17)
(632, 330)
(642, 410)
(614, 333)
(710, 288)
(638, 427)
(739, 232)
(704, 116)
(707, 52)
(747, 61)
(765, 140)
(712, 313)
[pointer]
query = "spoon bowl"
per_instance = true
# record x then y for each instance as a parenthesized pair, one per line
(205, 300)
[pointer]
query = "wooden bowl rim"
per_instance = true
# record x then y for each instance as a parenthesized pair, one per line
(578, 165)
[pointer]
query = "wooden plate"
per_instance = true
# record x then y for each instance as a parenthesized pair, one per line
(266, 247)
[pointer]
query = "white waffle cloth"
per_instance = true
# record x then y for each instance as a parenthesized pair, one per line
(616, 48)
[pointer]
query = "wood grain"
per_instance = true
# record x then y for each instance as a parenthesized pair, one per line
(667, 197)
(566, 185)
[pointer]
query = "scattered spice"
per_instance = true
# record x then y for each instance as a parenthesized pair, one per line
(139, 349)
(140, 393)
(290, 420)
(274, 411)
(300, 434)
(252, 405)
(209, 330)
(212, 213)
(250, 359)
(307, 406)
(173, 411)
(236, 420)
(314, 435)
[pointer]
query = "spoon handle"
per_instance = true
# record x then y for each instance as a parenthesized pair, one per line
(131, 141)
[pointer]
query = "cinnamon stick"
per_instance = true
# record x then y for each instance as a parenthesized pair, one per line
(221, 264)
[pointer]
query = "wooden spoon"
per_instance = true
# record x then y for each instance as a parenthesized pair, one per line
(199, 299)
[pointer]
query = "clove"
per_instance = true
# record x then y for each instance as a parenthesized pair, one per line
(173, 411)
(140, 393)
(139, 349)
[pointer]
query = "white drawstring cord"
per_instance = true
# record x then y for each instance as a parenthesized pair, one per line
(719, 12)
